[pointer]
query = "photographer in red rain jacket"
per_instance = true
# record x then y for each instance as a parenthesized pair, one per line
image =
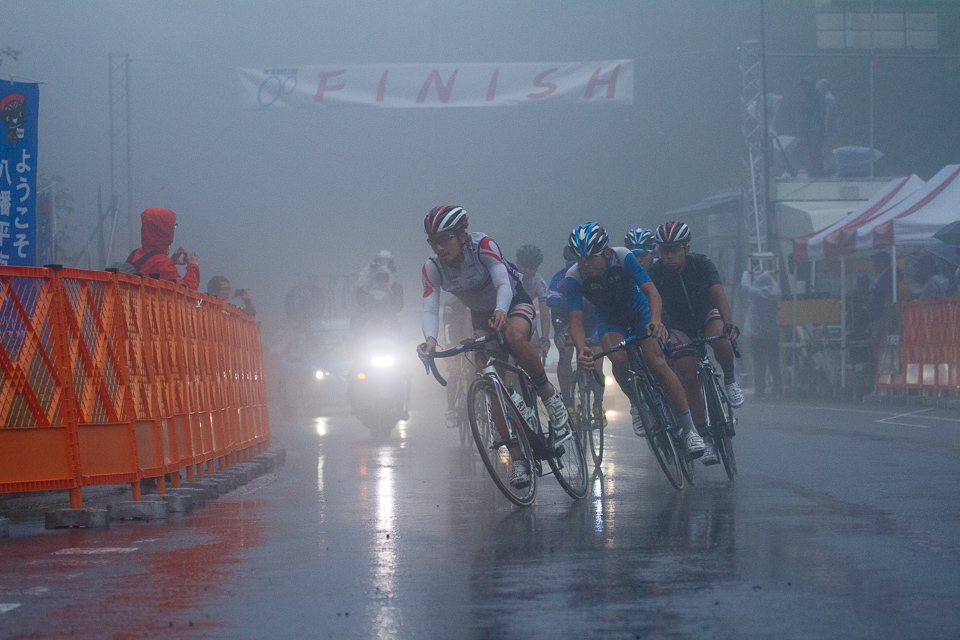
(157, 226)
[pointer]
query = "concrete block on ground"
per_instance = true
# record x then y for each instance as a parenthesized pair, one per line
(234, 479)
(265, 460)
(69, 518)
(4, 528)
(210, 488)
(244, 474)
(138, 510)
(257, 469)
(176, 503)
(197, 496)
(224, 483)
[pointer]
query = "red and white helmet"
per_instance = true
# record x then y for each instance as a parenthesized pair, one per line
(673, 233)
(446, 217)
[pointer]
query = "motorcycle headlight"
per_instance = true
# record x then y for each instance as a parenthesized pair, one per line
(382, 361)
(319, 374)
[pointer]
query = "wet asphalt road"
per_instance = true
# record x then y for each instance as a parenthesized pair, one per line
(843, 523)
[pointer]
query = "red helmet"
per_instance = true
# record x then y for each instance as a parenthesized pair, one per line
(446, 217)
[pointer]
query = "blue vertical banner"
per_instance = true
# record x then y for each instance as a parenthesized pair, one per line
(19, 110)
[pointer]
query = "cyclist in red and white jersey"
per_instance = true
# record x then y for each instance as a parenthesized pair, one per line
(471, 267)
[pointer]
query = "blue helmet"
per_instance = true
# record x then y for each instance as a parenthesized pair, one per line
(588, 239)
(640, 240)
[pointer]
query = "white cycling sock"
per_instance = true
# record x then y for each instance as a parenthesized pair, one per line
(686, 421)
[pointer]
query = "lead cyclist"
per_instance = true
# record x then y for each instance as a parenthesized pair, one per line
(695, 302)
(471, 267)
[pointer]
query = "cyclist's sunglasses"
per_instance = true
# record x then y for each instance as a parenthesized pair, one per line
(440, 238)
(671, 248)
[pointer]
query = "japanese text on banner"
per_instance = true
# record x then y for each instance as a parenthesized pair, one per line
(19, 107)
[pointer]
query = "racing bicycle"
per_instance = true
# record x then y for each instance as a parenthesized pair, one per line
(721, 424)
(504, 435)
(663, 431)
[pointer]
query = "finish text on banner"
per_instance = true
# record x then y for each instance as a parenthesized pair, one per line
(19, 106)
(439, 85)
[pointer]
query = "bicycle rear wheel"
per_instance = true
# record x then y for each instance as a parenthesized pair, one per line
(661, 442)
(566, 459)
(721, 420)
(499, 450)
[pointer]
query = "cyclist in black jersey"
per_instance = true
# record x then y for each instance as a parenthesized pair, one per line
(694, 302)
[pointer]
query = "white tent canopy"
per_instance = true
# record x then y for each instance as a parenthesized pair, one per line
(942, 188)
(829, 242)
(918, 229)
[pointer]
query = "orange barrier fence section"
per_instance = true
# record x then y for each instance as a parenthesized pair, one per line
(929, 347)
(108, 378)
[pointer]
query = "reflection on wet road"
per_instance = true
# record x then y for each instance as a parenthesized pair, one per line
(842, 523)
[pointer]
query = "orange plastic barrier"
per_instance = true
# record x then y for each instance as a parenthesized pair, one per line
(929, 347)
(110, 378)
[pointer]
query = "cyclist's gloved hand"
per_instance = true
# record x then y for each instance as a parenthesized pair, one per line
(658, 331)
(585, 359)
(499, 321)
(426, 349)
(732, 331)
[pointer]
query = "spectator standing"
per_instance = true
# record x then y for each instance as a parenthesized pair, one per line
(157, 228)
(219, 287)
(811, 125)
(933, 283)
(763, 329)
(831, 123)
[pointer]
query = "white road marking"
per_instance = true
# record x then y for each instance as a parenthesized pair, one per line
(806, 407)
(8, 606)
(91, 551)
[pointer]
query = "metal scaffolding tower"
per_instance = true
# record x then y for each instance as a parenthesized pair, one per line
(754, 124)
(120, 190)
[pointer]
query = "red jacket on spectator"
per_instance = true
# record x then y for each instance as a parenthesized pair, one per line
(156, 234)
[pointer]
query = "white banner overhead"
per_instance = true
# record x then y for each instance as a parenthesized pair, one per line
(439, 85)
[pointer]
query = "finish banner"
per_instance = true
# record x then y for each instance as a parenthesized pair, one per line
(19, 109)
(402, 86)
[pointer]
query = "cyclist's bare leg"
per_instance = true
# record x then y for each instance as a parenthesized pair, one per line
(565, 373)
(517, 334)
(598, 365)
(672, 387)
(687, 372)
(657, 363)
(722, 349)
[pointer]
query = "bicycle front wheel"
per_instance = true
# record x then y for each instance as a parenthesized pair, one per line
(721, 421)
(686, 462)
(590, 429)
(463, 417)
(568, 462)
(658, 435)
(500, 441)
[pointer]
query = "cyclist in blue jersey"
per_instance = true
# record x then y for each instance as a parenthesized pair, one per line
(561, 333)
(627, 304)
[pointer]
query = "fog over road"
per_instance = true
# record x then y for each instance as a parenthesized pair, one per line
(842, 523)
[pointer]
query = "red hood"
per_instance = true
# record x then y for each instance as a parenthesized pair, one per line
(156, 229)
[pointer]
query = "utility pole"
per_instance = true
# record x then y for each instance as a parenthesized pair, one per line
(120, 178)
